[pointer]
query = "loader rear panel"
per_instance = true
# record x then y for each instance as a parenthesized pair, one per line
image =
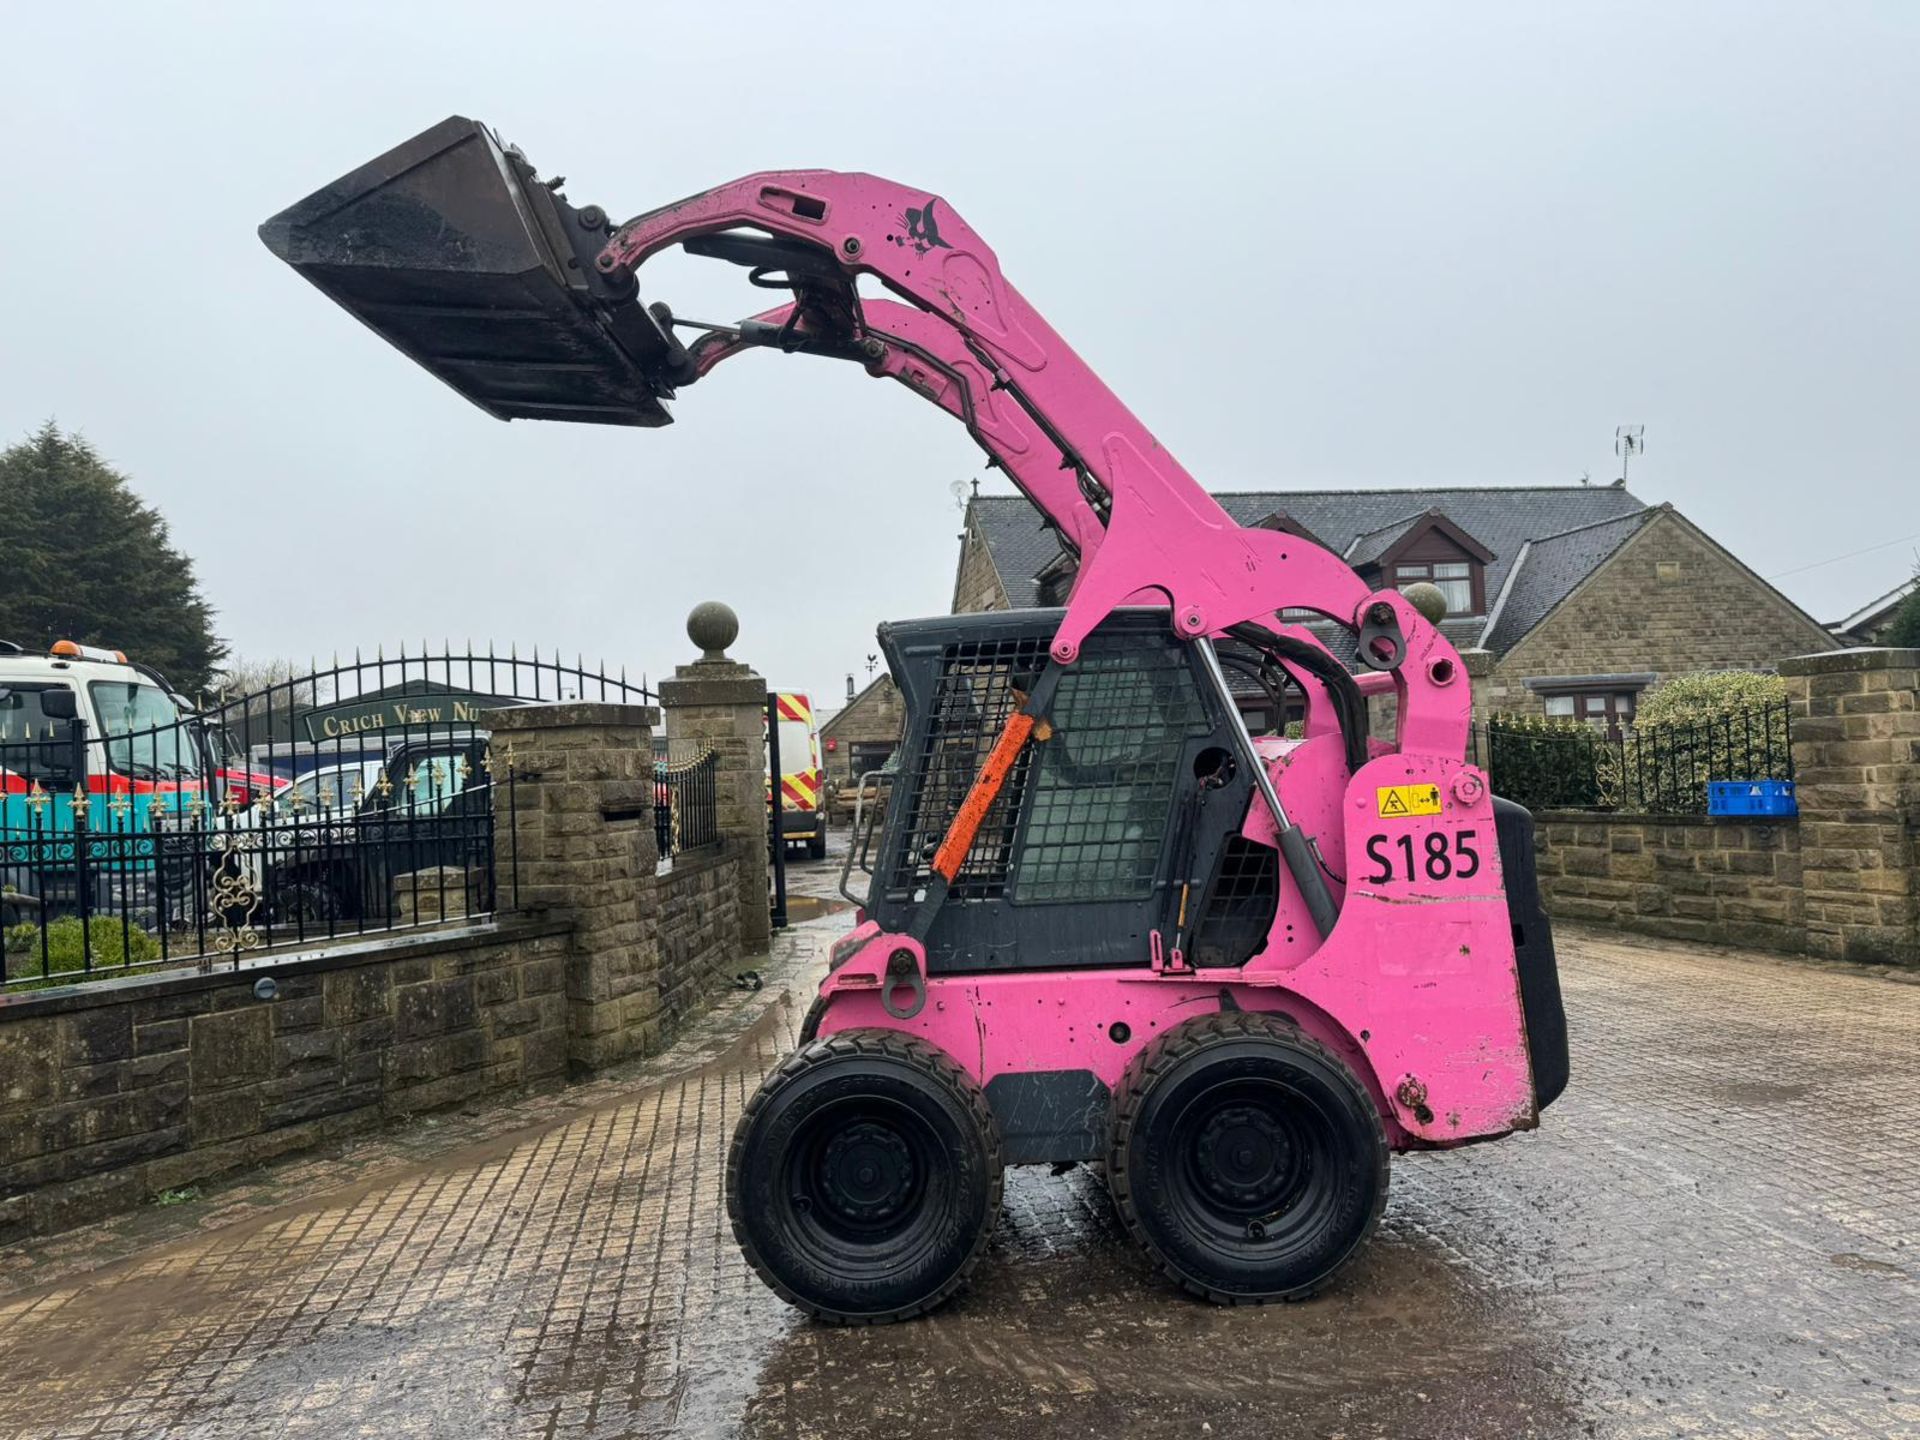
(1533, 953)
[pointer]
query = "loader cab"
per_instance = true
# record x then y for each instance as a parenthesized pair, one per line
(1133, 797)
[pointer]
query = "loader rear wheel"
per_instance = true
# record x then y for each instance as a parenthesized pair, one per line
(1246, 1158)
(864, 1177)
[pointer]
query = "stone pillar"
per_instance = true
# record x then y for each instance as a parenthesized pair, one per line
(1479, 667)
(573, 840)
(1856, 764)
(724, 704)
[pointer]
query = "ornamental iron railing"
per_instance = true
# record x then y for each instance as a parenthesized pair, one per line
(354, 799)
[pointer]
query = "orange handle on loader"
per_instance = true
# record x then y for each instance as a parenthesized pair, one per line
(952, 853)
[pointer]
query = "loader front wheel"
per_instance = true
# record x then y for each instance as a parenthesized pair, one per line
(864, 1177)
(1246, 1158)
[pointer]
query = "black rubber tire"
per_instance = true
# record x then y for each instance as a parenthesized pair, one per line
(919, 1113)
(810, 1022)
(817, 846)
(1275, 1217)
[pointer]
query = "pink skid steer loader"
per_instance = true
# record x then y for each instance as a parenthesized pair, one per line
(1104, 922)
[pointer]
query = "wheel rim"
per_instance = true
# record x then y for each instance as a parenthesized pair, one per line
(862, 1184)
(866, 1176)
(1254, 1166)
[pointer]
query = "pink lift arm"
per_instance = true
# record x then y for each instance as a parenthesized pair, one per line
(1179, 540)
(1163, 532)
(931, 359)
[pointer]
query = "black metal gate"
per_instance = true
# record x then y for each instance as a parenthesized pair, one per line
(356, 798)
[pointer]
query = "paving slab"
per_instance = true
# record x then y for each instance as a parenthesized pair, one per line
(1716, 1232)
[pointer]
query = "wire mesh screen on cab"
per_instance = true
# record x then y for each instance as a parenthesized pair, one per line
(1085, 814)
(972, 698)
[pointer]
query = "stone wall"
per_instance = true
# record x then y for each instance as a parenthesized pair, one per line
(117, 1090)
(1841, 881)
(1687, 877)
(696, 906)
(579, 836)
(121, 1089)
(1669, 602)
(1856, 761)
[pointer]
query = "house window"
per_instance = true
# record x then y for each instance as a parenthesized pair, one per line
(1453, 577)
(1608, 711)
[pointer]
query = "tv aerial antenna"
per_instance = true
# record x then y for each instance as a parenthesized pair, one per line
(1628, 441)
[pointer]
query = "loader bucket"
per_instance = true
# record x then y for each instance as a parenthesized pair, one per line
(452, 249)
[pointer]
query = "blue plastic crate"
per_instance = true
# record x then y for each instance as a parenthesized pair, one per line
(1751, 797)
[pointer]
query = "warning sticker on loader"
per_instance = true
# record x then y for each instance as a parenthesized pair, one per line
(1399, 801)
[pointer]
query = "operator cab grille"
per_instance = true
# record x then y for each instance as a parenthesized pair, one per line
(1103, 786)
(971, 702)
(1084, 815)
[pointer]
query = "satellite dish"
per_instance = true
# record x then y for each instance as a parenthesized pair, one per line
(958, 490)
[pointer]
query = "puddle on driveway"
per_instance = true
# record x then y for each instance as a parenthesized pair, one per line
(804, 908)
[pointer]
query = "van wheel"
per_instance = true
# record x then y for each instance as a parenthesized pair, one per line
(817, 846)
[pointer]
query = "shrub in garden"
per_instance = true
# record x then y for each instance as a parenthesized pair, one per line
(1708, 695)
(113, 947)
(1714, 725)
(1545, 764)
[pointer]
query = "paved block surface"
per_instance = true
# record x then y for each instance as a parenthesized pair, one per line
(1716, 1232)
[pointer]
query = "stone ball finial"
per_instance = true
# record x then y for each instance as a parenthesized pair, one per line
(1428, 599)
(713, 626)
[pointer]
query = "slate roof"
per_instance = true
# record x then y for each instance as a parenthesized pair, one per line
(1018, 543)
(1875, 612)
(1556, 518)
(1375, 543)
(1547, 570)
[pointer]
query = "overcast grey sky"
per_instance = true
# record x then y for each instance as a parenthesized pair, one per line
(1310, 245)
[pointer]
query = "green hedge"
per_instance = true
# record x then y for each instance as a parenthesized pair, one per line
(1725, 725)
(1545, 764)
(114, 947)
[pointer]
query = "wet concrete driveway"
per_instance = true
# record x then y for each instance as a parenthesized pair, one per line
(1717, 1232)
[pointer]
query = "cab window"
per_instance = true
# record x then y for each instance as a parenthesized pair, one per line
(333, 790)
(145, 735)
(426, 783)
(33, 744)
(796, 746)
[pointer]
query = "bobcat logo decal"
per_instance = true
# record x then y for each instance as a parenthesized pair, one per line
(922, 230)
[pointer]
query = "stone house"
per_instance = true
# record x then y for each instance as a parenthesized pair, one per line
(1567, 600)
(863, 734)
